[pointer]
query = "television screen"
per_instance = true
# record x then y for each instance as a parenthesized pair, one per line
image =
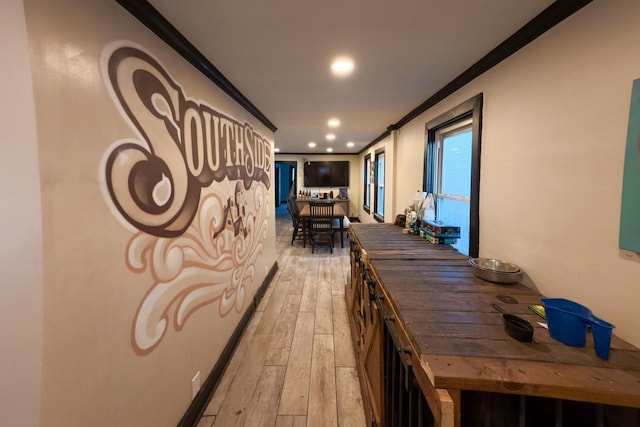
(326, 174)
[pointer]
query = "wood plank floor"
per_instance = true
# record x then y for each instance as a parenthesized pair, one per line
(295, 363)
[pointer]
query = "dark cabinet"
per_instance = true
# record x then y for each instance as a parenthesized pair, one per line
(371, 349)
(366, 329)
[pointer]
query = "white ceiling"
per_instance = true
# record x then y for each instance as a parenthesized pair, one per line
(278, 54)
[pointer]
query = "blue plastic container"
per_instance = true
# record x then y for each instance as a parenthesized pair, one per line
(567, 320)
(602, 331)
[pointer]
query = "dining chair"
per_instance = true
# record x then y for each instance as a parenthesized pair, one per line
(299, 224)
(321, 225)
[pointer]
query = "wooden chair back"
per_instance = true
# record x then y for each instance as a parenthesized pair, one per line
(299, 225)
(321, 224)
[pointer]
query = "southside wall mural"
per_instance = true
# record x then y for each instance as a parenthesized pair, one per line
(194, 190)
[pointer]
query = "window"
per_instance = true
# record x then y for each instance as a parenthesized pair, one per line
(378, 212)
(452, 181)
(452, 170)
(367, 183)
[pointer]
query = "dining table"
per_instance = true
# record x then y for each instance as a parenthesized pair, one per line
(338, 213)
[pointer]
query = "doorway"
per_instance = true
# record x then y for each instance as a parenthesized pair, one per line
(285, 181)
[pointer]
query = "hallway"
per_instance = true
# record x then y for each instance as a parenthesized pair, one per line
(294, 365)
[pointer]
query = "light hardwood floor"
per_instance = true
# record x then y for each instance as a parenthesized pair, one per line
(294, 365)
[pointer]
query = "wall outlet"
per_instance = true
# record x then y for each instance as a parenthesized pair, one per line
(195, 385)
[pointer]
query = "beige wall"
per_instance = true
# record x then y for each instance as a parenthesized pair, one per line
(554, 131)
(128, 317)
(21, 248)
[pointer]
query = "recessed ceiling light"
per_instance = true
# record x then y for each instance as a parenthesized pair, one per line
(342, 66)
(350, 144)
(333, 123)
(329, 150)
(312, 144)
(276, 149)
(330, 137)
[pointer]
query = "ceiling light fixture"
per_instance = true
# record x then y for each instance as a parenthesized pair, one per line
(350, 144)
(333, 123)
(330, 137)
(312, 144)
(329, 150)
(342, 66)
(276, 150)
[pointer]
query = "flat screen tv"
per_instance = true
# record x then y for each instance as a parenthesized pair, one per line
(326, 174)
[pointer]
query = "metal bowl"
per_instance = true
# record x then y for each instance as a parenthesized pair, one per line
(496, 271)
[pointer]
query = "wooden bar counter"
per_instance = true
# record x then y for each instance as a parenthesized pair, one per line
(422, 305)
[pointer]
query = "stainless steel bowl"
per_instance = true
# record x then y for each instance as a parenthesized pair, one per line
(496, 271)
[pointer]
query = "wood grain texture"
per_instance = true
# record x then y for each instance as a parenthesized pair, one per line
(343, 344)
(295, 391)
(283, 332)
(291, 421)
(233, 412)
(350, 408)
(443, 312)
(206, 421)
(283, 373)
(263, 408)
(324, 310)
(322, 384)
(234, 366)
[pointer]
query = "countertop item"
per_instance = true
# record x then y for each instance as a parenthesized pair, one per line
(569, 321)
(496, 271)
(516, 326)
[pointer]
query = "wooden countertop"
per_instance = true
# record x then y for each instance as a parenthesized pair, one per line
(446, 314)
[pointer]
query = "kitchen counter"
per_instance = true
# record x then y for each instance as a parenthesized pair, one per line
(459, 351)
